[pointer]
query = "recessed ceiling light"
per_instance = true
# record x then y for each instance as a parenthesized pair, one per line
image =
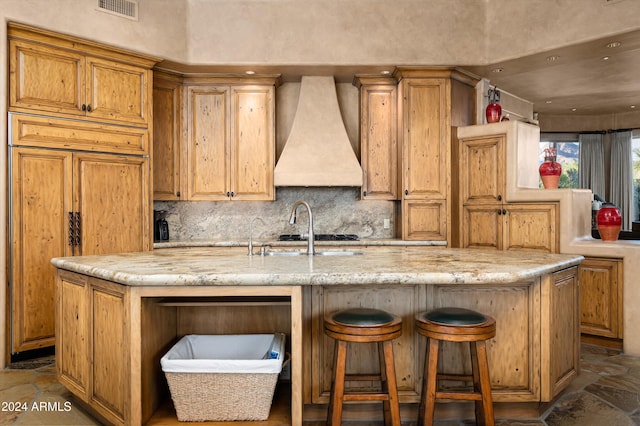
(632, 106)
(605, 58)
(553, 58)
(613, 44)
(574, 109)
(549, 102)
(497, 70)
(249, 72)
(385, 72)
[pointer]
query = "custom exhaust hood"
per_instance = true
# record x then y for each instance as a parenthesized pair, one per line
(318, 151)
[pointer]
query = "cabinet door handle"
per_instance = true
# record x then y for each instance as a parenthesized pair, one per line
(71, 241)
(228, 194)
(364, 193)
(504, 211)
(178, 193)
(499, 197)
(89, 108)
(499, 212)
(77, 229)
(406, 192)
(84, 107)
(232, 194)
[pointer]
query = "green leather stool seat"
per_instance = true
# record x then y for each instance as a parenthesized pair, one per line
(364, 317)
(455, 316)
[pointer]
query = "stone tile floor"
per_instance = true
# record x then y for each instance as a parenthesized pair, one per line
(607, 393)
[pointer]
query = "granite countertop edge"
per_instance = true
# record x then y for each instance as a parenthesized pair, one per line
(274, 243)
(391, 265)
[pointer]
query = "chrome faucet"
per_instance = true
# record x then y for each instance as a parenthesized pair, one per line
(310, 234)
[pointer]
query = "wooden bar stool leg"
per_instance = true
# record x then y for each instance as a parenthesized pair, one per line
(385, 385)
(429, 391)
(477, 386)
(485, 384)
(391, 384)
(337, 392)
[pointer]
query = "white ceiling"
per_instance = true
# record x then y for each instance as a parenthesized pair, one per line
(579, 78)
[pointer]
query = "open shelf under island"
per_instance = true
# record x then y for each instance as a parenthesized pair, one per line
(118, 314)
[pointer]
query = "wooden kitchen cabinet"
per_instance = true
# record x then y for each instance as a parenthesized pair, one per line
(511, 226)
(59, 75)
(91, 358)
(601, 297)
(378, 137)
(486, 217)
(68, 203)
(167, 137)
(430, 102)
(230, 142)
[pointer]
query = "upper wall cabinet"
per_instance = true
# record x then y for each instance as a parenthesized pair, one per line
(378, 137)
(58, 75)
(230, 142)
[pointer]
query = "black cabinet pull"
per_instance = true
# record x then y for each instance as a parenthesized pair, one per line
(499, 212)
(406, 192)
(364, 193)
(178, 193)
(84, 107)
(76, 227)
(89, 108)
(499, 197)
(71, 229)
(232, 194)
(228, 193)
(504, 211)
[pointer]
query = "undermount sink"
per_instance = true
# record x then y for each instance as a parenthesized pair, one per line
(317, 253)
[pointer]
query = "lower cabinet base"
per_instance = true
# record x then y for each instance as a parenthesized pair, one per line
(601, 341)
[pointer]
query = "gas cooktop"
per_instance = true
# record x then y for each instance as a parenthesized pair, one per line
(319, 237)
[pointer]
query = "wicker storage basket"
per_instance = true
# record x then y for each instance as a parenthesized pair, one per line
(224, 378)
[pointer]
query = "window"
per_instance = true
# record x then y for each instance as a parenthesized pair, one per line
(568, 155)
(635, 157)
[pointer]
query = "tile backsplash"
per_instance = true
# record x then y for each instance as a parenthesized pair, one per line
(335, 211)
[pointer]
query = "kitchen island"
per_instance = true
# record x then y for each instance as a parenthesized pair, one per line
(118, 314)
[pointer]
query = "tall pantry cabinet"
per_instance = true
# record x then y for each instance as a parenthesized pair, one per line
(430, 102)
(79, 169)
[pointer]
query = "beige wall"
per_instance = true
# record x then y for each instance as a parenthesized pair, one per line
(344, 32)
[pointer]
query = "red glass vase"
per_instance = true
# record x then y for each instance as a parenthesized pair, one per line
(609, 222)
(494, 112)
(550, 172)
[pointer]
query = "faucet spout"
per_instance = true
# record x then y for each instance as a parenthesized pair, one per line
(292, 220)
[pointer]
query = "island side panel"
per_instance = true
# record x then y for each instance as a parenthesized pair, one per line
(514, 353)
(560, 331)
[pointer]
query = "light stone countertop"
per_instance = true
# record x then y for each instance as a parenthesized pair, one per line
(376, 265)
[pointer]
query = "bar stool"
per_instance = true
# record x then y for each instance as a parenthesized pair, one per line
(361, 325)
(456, 325)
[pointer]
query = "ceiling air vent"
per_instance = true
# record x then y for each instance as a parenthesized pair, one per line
(125, 8)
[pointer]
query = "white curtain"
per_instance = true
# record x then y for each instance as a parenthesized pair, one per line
(591, 171)
(621, 184)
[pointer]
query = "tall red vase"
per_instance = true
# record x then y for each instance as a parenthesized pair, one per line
(609, 222)
(550, 170)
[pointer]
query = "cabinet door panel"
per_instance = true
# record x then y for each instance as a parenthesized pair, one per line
(424, 220)
(252, 143)
(72, 330)
(482, 227)
(208, 147)
(378, 137)
(167, 155)
(117, 92)
(426, 136)
(483, 176)
(112, 196)
(45, 78)
(109, 389)
(531, 227)
(41, 200)
(601, 297)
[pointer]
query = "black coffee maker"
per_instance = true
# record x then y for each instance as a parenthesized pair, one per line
(161, 227)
